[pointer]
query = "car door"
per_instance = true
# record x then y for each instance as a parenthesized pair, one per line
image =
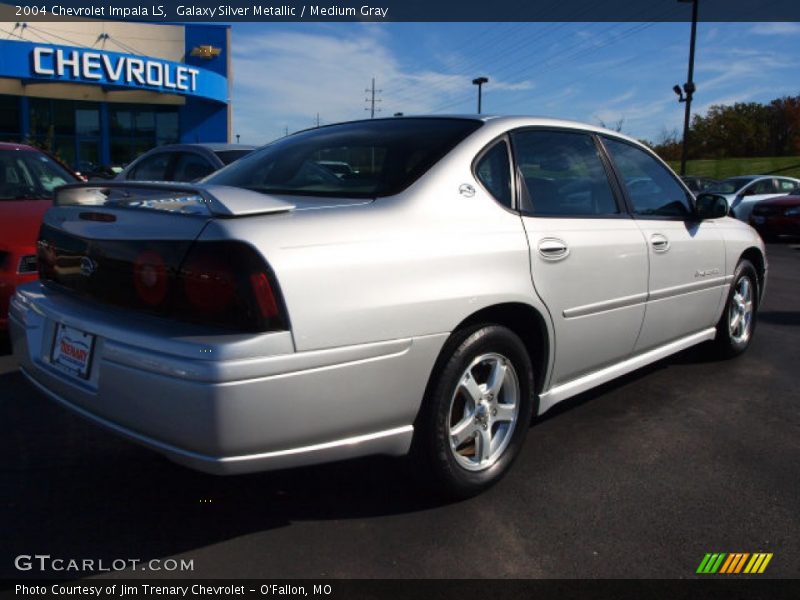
(686, 256)
(588, 257)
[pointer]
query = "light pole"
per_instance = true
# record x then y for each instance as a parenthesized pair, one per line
(479, 81)
(688, 88)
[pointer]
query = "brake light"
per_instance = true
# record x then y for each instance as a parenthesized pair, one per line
(209, 283)
(264, 295)
(228, 284)
(222, 284)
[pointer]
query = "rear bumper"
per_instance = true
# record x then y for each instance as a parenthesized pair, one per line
(215, 408)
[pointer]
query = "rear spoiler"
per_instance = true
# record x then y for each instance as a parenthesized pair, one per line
(191, 199)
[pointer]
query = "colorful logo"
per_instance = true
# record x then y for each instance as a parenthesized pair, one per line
(734, 563)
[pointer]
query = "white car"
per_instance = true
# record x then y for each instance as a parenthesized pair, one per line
(743, 192)
(475, 273)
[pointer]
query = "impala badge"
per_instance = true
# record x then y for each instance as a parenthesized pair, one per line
(706, 272)
(466, 190)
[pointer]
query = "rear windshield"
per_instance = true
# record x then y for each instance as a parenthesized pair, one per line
(25, 174)
(375, 158)
(229, 156)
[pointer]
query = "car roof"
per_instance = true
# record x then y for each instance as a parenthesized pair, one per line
(14, 146)
(210, 146)
(754, 177)
(500, 121)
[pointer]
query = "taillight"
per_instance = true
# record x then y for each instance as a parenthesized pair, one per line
(150, 278)
(209, 282)
(27, 264)
(228, 284)
(264, 295)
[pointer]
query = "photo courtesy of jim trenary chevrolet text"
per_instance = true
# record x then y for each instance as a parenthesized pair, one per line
(398, 299)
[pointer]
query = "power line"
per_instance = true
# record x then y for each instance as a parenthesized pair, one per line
(54, 35)
(561, 58)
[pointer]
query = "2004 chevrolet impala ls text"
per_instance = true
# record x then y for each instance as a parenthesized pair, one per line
(464, 275)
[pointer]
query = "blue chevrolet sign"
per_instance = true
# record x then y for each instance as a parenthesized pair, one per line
(45, 62)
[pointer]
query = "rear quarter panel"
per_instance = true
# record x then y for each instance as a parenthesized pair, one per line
(410, 265)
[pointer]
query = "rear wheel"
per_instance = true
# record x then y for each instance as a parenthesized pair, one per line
(737, 324)
(477, 411)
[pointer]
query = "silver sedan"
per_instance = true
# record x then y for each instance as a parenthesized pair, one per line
(464, 275)
(744, 192)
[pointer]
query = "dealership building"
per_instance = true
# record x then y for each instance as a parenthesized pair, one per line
(102, 92)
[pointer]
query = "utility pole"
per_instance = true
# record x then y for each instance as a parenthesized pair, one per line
(317, 120)
(285, 130)
(479, 81)
(372, 91)
(688, 88)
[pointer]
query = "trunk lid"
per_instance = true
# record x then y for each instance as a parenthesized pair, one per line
(135, 246)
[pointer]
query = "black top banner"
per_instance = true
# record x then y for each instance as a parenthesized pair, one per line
(223, 11)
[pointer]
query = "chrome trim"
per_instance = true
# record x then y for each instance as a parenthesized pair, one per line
(627, 301)
(687, 288)
(614, 303)
(571, 388)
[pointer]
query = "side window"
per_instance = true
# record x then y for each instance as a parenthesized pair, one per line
(651, 187)
(562, 174)
(191, 167)
(786, 185)
(494, 172)
(152, 168)
(765, 186)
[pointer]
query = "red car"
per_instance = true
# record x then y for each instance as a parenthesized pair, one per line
(27, 180)
(777, 216)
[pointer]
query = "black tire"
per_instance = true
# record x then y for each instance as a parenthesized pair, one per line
(727, 343)
(433, 456)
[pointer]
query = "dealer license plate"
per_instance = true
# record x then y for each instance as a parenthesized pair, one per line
(72, 351)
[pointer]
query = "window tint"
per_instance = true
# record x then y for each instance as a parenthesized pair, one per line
(191, 167)
(652, 188)
(152, 168)
(386, 156)
(228, 156)
(26, 174)
(562, 174)
(494, 172)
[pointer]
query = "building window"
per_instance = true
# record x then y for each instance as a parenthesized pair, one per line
(69, 129)
(9, 119)
(135, 130)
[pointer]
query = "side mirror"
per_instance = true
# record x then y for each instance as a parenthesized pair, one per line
(711, 206)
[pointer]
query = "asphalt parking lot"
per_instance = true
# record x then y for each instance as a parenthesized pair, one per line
(638, 479)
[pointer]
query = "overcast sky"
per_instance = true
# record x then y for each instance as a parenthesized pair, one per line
(284, 74)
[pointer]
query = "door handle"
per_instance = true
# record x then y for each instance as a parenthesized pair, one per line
(553, 249)
(659, 242)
